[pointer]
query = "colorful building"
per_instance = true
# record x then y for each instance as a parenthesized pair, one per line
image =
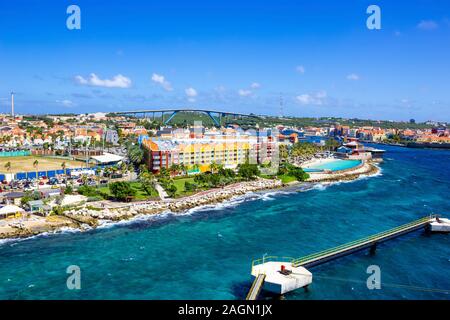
(198, 154)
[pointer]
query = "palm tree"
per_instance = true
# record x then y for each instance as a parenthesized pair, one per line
(213, 166)
(174, 168)
(98, 171)
(63, 166)
(123, 167)
(142, 168)
(148, 182)
(35, 165)
(8, 166)
(84, 179)
(196, 167)
(183, 168)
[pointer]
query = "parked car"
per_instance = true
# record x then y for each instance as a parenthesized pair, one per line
(53, 181)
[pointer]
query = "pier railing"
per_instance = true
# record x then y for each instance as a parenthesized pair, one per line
(360, 242)
(272, 258)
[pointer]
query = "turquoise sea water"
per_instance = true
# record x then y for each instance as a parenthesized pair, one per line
(207, 254)
(334, 165)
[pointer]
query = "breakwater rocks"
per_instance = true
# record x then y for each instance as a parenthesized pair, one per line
(92, 217)
(220, 195)
(36, 226)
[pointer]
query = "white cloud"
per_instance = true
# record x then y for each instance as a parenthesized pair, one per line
(161, 80)
(353, 77)
(220, 89)
(118, 81)
(317, 99)
(244, 92)
(249, 92)
(65, 103)
(191, 93)
(300, 69)
(427, 25)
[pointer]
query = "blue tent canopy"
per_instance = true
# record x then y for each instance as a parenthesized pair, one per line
(21, 176)
(31, 175)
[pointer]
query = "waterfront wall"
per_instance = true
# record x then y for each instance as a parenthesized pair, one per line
(428, 145)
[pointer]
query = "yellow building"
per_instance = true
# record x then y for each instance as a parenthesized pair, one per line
(196, 153)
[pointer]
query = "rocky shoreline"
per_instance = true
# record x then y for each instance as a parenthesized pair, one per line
(89, 217)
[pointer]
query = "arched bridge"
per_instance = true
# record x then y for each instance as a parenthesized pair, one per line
(215, 115)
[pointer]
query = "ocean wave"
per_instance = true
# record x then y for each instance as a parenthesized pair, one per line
(106, 224)
(237, 200)
(230, 203)
(321, 186)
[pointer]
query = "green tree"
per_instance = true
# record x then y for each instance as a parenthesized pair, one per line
(171, 190)
(284, 152)
(331, 144)
(8, 166)
(248, 171)
(174, 169)
(189, 186)
(63, 166)
(214, 167)
(121, 190)
(148, 181)
(36, 166)
(135, 154)
(183, 169)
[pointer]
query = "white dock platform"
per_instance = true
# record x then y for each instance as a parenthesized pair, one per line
(440, 225)
(297, 276)
(279, 283)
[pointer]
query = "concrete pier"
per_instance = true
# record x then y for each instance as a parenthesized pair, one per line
(282, 277)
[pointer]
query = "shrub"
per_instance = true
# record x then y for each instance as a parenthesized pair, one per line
(58, 210)
(68, 190)
(171, 190)
(189, 186)
(248, 171)
(121, 190)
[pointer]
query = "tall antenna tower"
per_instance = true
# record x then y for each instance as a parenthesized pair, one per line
(12, 104)
(281, 105)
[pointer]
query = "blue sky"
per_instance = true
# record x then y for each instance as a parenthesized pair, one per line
(230, 55)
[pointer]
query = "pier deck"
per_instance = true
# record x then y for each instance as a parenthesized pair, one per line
(361, 244)
(271, 265)
(256, 287)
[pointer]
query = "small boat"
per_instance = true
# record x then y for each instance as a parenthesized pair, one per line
(440, 225)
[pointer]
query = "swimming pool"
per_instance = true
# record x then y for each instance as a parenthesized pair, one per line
(334, 165)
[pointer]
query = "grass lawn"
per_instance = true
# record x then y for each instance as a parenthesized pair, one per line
(179, 183)
(140, 193)
(25, 164)
(287, 178)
